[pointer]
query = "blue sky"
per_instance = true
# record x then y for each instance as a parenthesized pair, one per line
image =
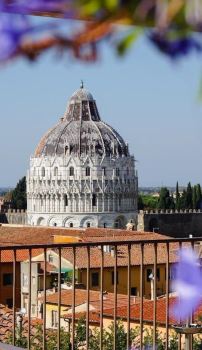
(149, 100)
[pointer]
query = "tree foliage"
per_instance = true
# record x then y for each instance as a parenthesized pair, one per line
(94, 338)
(18, 195)
(189, 198)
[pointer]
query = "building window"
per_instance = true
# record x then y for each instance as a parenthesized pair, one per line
(33, 280)
(87, 171)
(104, 171)
(158, 274)
(66, 200)
(133, 291)
(24, 280)
(55, 171)
(117, 277)
(7, 279)
(33, 309)
(54, 318)
(104, 225)
(94, 200)
(95, 279)
(88, 224)
(127, 171)
(71, 224)
(43, 173)
(66, 149)
(71, 171)
(50, 258)
(150, 274)
(9, 303)
(117, 172)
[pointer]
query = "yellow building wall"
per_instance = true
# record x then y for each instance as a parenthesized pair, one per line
(122, 280)
(106, 323)
(54, 307)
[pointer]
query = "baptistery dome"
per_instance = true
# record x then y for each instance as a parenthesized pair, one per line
(82, 173)
(81, 132)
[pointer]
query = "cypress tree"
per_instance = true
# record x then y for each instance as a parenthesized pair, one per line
(164, 199)
(18, 195)
(194, 200)
(188, 201)
(177, 194)
(182, 200)
(198, 196)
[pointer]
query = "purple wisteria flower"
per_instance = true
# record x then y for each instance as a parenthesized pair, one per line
(177, 47)
(188, 285)
(12, 30)
(64, 7)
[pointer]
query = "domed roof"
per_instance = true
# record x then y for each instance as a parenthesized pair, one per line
(81, 132)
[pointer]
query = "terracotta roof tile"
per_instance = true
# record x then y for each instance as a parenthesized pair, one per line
(81, 298)
(45, 235)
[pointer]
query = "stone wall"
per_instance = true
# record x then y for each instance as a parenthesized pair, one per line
(13, 216)
(171, 222)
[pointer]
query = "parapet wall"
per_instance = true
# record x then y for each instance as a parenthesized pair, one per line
(14, 216)
(174, 223)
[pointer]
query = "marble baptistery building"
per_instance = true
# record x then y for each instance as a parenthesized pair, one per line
(82, 174)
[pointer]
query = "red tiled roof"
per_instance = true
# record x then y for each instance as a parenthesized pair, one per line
(148, 312)
(6, 323)
(81, 298)
(10, 235)
(122, 255)
(148, 306)
(45, 235)
(21, 255)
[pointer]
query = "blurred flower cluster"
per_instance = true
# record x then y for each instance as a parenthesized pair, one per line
(187, 284)
(169, 25)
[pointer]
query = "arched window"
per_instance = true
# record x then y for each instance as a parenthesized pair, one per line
(117, 172)
(87, 171)
(71, 171)
(65, 200)
(66, 149)
(56, 171)
(43, 173)
(71, 224)
(88, 224)
(104, 171)
(94, 200)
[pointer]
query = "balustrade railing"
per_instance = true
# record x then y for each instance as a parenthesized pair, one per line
(133, 267)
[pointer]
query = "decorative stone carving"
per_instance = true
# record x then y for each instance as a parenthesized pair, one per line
(82, 173)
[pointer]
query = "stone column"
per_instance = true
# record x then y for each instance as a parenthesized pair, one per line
(113, 202)
(98, 202)
(85, 203)
(108, 201)
(91, 203)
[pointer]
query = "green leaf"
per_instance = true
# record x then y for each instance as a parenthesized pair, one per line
(128, 40)
(111, 5)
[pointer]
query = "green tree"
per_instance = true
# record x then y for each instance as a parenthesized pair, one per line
(18, 195)
(188, 201)
(147, 202)
(198, 196)
(165, 200)
(140, 202)
(182, 201)
(194, 200)
(177, 202)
